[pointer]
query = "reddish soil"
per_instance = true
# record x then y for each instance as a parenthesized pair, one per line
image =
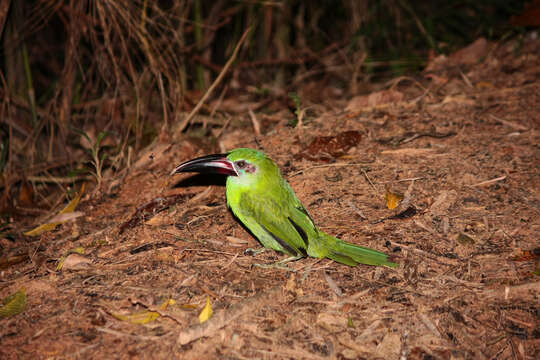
(461, 142)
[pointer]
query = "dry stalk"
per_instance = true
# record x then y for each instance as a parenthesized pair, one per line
(220, 77)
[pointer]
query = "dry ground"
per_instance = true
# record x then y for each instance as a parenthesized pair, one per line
(462, 143)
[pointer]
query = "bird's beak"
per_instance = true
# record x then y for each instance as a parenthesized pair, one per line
(216, 163)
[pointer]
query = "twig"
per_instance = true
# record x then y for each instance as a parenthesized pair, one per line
(222, 130)
(255, 122)
(409, 151)
(163, 97)
(513, 292)
(219, 101)
(369, 181)
(401, 180)
(487, 182)
(220, 77)
(63, 180)
(466, 80)
(509, 123)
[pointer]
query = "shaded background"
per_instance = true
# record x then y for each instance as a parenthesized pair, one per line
(72, 70)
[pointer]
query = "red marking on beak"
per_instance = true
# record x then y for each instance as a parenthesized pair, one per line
(216, 163)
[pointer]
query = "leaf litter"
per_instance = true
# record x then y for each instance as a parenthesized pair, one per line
(450, 297)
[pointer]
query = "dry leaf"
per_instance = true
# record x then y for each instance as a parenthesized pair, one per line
(63, 217)
(189, 306)
(75, 261)
(139, 318)
(12, 260)
(77, 250)
(465, 239)
(207, 312)
(528, 255)
(26, 195)
(327, 148)
(392, 199)
(234, 241)
(146, 316)
(13, 304)
(52, 225)
(166, 303)
(484, 85)
(332, 284)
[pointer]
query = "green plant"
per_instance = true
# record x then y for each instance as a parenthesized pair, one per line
(96, 160)
(299, 112)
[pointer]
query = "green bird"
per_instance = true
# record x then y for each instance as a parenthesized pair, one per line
(267, 205)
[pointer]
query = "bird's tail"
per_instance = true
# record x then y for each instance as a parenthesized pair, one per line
(350, 254)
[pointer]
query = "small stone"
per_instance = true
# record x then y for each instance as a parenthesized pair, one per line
(349, 354)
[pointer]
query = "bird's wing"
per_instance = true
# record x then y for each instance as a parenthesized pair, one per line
(300, 215)
(268, 216)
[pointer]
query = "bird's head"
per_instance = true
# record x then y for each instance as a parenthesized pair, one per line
(242, 163)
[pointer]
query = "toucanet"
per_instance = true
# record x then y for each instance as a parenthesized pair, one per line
(266, 204)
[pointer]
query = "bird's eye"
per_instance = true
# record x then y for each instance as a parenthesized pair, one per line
(241, 164)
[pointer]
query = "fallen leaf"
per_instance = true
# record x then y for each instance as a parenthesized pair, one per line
(392, 198)
(139, 318)
(26, 195)
(146, 316)
(332, 284)
(458, 99)
(77, 250)
(528, 255)
(207, 312)
(166, 303)
(465, 239)
(75, 261)
(484, 85)
(327, 148)
(12, 260)
(51, 225)
(63, 217)
(189, 306)
(13, 304)
(236, 241)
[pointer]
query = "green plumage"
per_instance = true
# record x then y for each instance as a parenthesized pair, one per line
(266, 204)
